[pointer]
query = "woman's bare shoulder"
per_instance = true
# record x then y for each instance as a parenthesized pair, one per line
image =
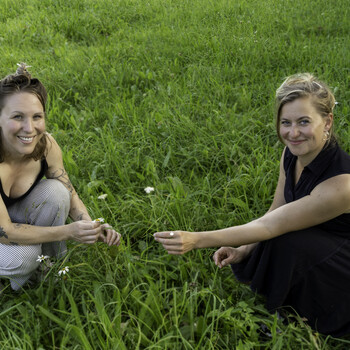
(337, 187)
(335, 192)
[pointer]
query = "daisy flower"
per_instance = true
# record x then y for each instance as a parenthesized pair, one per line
(42, 258)
(63, 271)
(101, 220)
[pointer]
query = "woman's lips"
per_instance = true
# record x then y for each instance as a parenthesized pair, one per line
(26, 139)
(296, 142)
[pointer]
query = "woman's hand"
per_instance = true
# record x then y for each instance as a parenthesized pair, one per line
(109, 235)
(84, 231)
(177, 242)
(228, 255)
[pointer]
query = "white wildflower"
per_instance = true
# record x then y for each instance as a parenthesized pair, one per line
(63, 271)
(149, 189)
(101, 220)
(42, 258)
(102, 196)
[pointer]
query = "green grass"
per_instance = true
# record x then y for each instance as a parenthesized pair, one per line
(177, 95)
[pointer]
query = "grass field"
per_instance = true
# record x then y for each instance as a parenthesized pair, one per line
(177, 95)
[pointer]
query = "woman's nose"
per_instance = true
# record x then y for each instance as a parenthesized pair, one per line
(28, 126)
(295, 131)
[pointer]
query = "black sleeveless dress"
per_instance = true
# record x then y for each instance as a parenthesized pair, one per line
(307, 270)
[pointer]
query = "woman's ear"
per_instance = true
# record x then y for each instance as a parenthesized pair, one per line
(329, 121)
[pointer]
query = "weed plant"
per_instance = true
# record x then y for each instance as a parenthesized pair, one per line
(177, 95)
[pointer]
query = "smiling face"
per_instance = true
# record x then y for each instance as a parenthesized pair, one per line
(302, 129)
(22, 122)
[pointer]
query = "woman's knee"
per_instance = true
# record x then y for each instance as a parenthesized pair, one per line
(49, 204)
(53, 192)
(19, 260)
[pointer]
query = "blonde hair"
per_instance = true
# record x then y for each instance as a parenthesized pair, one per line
(303, 85)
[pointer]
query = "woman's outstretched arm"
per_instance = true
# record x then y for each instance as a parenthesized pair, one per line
(328, 200)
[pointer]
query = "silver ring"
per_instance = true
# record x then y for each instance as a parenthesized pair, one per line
(171, 234)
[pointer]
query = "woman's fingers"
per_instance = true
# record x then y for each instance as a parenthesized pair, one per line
(176, 242)
(90, 232)
(169, 242)
(85, 231)
(111, 236)
(117, 239)
(108, 235)
(168, 238)
(216, 257)
(172, 241)
(88, 238)
(222, 256)
(166, 234)
(102, 238)
(225, 262)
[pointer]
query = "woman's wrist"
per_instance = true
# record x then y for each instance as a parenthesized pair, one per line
(202, 239)
(66, 232)
(195, 239)
(247, 250)
(212, 239)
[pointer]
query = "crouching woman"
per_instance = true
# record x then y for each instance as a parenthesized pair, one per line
(36, 195)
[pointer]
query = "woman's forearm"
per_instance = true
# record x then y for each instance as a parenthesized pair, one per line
(247, 249)
(234, 236)
(23, 234)
(78, 210)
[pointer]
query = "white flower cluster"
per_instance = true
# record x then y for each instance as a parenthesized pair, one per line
(149, 189)
(102, 196)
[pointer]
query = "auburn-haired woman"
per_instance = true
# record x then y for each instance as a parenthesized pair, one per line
(36, 195)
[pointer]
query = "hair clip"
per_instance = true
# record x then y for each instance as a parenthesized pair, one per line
(22, 69)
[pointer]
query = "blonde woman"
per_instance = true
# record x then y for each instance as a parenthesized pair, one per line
(298, 253)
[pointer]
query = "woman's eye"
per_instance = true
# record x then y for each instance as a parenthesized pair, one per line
(304, 122)
(38, 116)
(17, 117)
(284, 122)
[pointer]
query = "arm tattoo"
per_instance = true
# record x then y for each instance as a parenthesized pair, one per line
(76, 214)
(3, 233)
(21, 225)
(62, 176)
(79, 217)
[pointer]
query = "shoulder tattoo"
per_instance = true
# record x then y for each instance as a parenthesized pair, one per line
(62, 176)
